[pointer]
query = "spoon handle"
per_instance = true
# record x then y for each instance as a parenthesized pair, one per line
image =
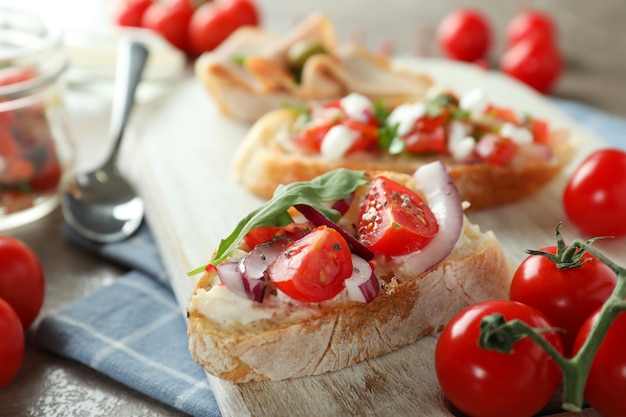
(131, 59)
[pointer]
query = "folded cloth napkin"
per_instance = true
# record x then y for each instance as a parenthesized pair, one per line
(133, 330)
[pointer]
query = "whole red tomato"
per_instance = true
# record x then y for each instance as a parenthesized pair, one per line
(130, 12)
(606, 382)
(213, 22)
(595, 195)
(465, 35)
(170, 19)
(565, 296)
(534, 61)
(488, 383)
(11, 343)
(530, 23)
(21, 279)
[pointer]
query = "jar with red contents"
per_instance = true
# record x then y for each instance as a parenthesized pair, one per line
(35, 147)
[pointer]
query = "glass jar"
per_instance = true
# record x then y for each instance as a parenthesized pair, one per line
(36, 153)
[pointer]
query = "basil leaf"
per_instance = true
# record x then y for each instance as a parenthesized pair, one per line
(332, 186)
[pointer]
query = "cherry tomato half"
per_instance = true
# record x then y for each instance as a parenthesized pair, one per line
(11, 343)
(530, 23)
(488, 383)
(394, 220)
(263, 234)
(21, 279)
(534, 61)
(213, 22)
(595, 195)
(565, 296)
(313, 269)
(465, 35)
(606, 382)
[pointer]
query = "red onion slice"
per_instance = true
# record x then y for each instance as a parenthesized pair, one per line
(342, 206)
(363, 285)
(256, 262)
(318, 219)
(231, 276)
(445, 202)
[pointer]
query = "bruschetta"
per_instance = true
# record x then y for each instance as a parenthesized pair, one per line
(494, 154)
(255, 71)
(339, 270)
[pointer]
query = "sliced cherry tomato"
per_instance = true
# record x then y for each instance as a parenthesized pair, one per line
(595, 195)
(213, 22)
(394, 220)
(606, 382)
(530, 23)
(11, 343)
(464, 35)
(22, 282)
(565, 296)
(495, 149)
(533, 61)
(313, 269)
(262, 234)
(489, 383)
(170, 19)
(130, 12)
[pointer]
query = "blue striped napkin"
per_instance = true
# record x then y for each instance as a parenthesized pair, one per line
(133, 330)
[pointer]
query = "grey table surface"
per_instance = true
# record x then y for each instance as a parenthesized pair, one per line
(591, 34)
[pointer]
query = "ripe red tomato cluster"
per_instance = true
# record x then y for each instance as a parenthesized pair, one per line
(531, 56)
(193, 27)
(482, 382)
(21, 296)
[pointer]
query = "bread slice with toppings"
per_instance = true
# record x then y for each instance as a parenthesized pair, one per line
(255, 71)
(494, 156)
(238, 339)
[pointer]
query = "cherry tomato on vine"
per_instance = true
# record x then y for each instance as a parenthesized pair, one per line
(11, 343)
(130, 12)
(394, 220)
(488, 383)
(214, 21)
(565, 296)
(595, 195)
(606, 382)
(21, 279)
(169, 19)
(530, 23)
(534, 61)
(465, 35)
(313, 268)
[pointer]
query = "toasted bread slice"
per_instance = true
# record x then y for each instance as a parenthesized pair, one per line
(265, 160)
(241, 340)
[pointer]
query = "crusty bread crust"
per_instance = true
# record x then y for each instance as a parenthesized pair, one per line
(261, 164)
(310, 339)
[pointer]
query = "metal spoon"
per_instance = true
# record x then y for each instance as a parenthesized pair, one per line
(101, 205)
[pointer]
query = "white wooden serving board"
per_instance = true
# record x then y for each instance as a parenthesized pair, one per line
(180, 159)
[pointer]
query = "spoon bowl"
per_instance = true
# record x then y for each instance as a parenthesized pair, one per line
(102, 205)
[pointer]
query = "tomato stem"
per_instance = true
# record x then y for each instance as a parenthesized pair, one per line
(576, 369)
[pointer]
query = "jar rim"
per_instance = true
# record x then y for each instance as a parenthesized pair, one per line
(43, 50)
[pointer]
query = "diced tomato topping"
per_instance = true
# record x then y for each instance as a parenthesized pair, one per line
(311, 138)
(368, 134)
(502, 114)
(394, 220)
(495, 149)
(540, 130)
(313, 268)
(427, 141)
